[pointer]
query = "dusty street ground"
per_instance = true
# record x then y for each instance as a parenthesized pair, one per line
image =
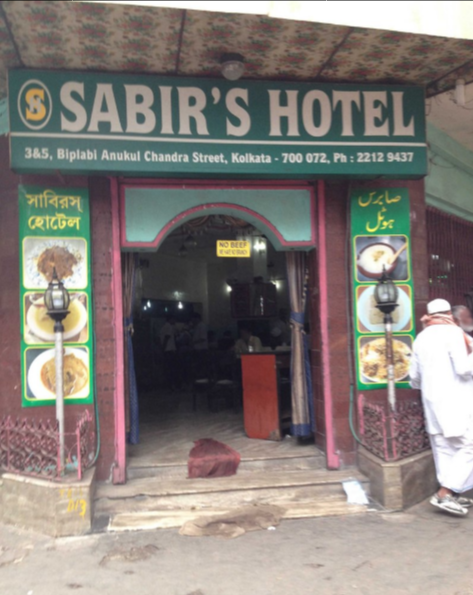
(421, 552)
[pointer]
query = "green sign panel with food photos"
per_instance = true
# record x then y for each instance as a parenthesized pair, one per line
(55, 234)
(380, 233)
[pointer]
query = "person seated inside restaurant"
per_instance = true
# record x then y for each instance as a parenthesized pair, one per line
(247, 343)
(281, 330)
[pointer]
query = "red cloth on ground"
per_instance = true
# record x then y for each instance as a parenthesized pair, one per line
(210, 458)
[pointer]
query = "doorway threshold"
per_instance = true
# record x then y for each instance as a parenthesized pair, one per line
(167, 439)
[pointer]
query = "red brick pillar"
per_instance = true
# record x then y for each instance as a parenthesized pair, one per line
(105, 365)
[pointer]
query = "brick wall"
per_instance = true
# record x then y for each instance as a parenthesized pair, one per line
(101, 227)
(10, 370)
(341, 342)
(10, 385)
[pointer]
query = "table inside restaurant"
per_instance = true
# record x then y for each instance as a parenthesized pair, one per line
(266, 394)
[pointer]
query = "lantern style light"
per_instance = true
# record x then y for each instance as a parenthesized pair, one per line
(386, 294)
(56, 299)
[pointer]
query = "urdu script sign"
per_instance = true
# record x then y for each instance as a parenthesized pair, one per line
(381, 241)
(104, 123)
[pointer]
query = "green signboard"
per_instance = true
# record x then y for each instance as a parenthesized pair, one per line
(55, 234)
(148, 125)
(380, 232)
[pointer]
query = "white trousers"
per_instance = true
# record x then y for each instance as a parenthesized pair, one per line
(454, 461)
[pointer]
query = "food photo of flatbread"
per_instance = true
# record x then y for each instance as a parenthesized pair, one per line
(369, 317)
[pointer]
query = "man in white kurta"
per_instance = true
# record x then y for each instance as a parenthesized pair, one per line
(442, 368)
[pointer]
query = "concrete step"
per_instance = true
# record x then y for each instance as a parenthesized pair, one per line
(262, 465)
(156, 486)
(167, 519)
(221, 500)
(162, 501)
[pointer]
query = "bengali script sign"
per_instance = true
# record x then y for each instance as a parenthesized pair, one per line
(55, 234)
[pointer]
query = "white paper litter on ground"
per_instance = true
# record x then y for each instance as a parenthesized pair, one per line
(355, 492)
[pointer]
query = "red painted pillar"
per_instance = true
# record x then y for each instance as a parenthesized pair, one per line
(119, 470)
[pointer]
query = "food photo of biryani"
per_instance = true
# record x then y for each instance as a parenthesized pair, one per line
(373, 360)
(42, 255)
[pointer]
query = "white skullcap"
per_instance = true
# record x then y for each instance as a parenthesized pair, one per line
(438, 305)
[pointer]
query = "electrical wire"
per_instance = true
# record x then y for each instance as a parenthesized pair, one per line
(96, 404)
(433, 162)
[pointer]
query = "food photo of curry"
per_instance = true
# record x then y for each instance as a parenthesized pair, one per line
(76, 375)
(378, 254)
(39, 326)
(42, 255)
(58, 258)
(41, 373)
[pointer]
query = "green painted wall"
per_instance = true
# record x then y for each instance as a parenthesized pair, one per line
(4, 125)
(148, 210)
(449, 183)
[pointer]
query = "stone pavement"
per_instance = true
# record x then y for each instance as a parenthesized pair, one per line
(421, 551)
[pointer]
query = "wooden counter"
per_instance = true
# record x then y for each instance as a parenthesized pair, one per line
(266, 393)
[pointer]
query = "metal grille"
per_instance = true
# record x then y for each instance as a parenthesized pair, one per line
(31, 447)
(450, 249)
(392, 436)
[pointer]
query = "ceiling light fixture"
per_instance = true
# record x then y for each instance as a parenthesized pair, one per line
(260, 245)
(232, 66)
(182, 251)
